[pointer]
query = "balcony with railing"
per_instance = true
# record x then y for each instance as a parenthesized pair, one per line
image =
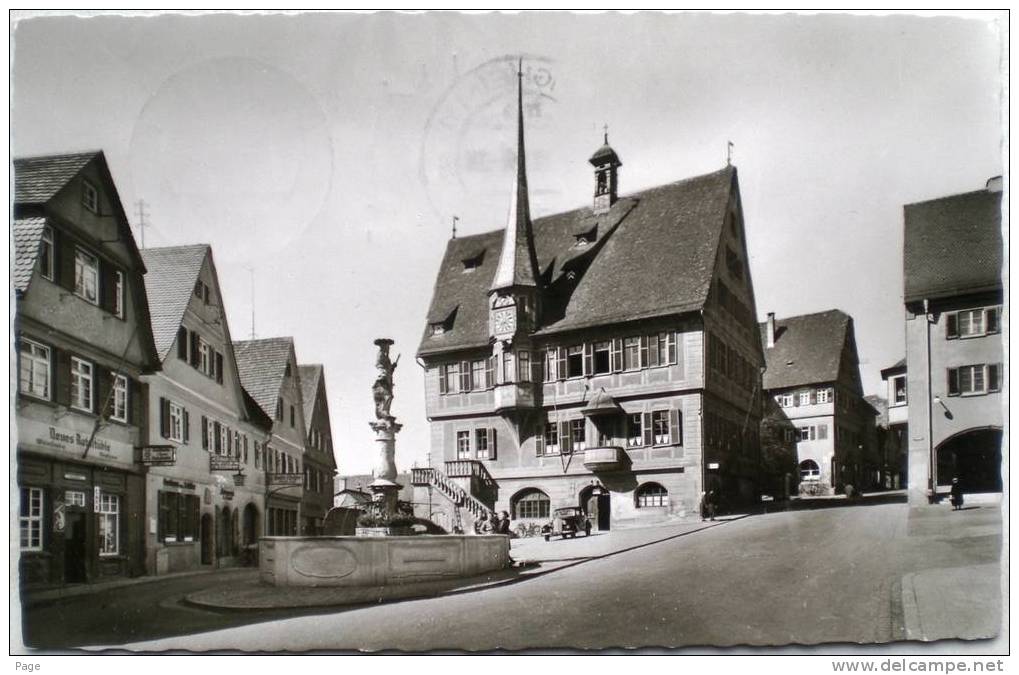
(515, 395)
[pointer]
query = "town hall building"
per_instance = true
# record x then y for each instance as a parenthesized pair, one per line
(606, 357)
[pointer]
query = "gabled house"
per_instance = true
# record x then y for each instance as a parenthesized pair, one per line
(269, 373)
(205, 428)
(319, 461)
(954, 302)
(83, 340)
(896, 421)
(605, 358)
(813, 375)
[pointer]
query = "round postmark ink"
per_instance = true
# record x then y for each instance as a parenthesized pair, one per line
(468, 151)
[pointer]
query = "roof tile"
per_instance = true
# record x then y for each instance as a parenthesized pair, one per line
(27, 233)
(262, 367)
(808, 349)
(37, 179)
(169, 283)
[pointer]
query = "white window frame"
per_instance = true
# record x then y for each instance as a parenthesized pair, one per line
(463, 450)
(551, 448)
(481, 445)
(804, 398)
(974, 321)
(47, 244)
(108, 510)
(119, 410)
(89, 196)
(30, 524)
(36, 362)
(74, 498)
(787, 401)
(86, 275)
(661, 417)
(638, 440)
(82, 384)
(578, 443)
(824, 395)
(118, 294)
(894, 390)
(176, 422)
(975, 372)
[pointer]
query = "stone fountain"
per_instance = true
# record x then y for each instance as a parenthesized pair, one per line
(378, 560)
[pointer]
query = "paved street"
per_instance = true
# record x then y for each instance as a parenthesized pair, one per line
(832, 574)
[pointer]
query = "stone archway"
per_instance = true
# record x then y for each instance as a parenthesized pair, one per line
(974, 457)
(250, 532)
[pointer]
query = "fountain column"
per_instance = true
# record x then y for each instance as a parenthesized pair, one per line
(385, 488)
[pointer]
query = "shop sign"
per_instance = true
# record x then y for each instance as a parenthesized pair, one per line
(75, 476)
(712, 465)
(226, 493)
(159, 455)
(58, 516)
(219, 463)
(183, 484)
(286, 479)
(71, 440)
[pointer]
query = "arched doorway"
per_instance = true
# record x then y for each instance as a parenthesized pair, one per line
(250, 524)
(596, 502)
(235, 532)
(974, 457)
(809, 470)
(223, 532)
(206, 537)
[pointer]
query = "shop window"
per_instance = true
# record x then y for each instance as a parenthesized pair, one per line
(463, 445)
(178, 517)
(34, 371)
(119, 409)
(109, 524)
(652, 494)
(86, 276)
(46, 253)
(30, 519)
(81, 384)
(531, 503)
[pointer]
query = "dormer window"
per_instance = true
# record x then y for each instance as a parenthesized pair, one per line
(438, 328)
(89, 196)
(472, 263)
(584, 238)
(441, 322)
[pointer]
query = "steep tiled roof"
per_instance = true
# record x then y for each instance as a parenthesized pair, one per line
(37, 179)
(654, 255)
(807, 349)
(310, 374)
(952, 245)
(169, 283)
(27, 232)
(262, 365)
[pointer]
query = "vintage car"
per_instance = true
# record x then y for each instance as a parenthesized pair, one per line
(567, 522)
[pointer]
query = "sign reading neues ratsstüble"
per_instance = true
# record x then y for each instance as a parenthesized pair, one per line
(286, 479)
(219, 463)
(159, 455)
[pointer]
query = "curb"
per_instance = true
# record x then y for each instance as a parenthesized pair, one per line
(395, 593)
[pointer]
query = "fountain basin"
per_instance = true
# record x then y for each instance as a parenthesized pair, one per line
(378, 561)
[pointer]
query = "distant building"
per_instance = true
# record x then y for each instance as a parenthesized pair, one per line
(605, 357)
(896, 420)
(358, 484)
(953, 295)
(268, 370)
(199, 413)
(83, 340)
(813, 375)
(319, 462)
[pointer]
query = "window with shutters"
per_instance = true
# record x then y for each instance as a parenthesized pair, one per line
(551, 372)
(463, 445)
(551, 438)
(602, 358)
(109, 524)
(481, 443)
(631, 353)
(824, 395)
(30, 519)
(575, 361)
(46, 253)
(207, 360)
(176, 428)
(804, 398)
(258, 455)
(86, 276)
(118, 411)
(578, 435)
(973, 322)
(478, 371)
(634, 430)
(974, 379)
(449, 378)
(34, 369)
(81, 384)
(660, 427)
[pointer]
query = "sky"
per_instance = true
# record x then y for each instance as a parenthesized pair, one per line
(324, 155)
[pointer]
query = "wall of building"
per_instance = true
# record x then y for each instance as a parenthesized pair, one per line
(928, 386)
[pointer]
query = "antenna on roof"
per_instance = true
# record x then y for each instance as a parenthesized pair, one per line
(456, 219)
(728, 153)
(140, 210)
(251, 271)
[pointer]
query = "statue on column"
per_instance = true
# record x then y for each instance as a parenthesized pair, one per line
(382, 389)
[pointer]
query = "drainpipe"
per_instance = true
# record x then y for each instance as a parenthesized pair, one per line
(931, 458)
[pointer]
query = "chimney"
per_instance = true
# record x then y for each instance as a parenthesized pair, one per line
(771, 329)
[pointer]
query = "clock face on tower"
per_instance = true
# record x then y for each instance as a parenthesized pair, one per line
(504, 321)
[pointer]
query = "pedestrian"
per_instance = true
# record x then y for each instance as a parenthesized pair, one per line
(709, 505)
(482, 525)
(956, 494)
(496, 522)
(504, 523)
